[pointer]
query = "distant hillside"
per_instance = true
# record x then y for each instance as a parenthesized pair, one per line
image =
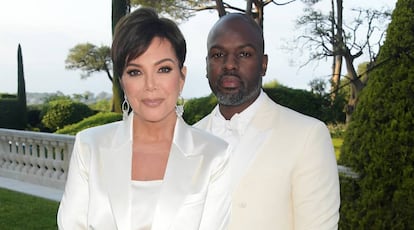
(87, 97)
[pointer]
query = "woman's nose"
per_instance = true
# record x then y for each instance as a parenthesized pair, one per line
(150, 84)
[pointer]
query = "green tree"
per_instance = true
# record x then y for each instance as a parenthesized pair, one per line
(21, 90)
(177, 9)
(64, 112)
(329, 35)
(90, 59)
(379, 142)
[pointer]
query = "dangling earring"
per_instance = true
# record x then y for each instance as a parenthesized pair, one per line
(179, 107)
(125, 108)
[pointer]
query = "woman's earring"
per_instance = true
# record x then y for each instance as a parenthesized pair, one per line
(179, 107)
(125, 108)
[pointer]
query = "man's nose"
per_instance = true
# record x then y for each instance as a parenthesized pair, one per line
(231, 62)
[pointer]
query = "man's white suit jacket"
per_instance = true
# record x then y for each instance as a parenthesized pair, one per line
(194, 193)
(292, 182)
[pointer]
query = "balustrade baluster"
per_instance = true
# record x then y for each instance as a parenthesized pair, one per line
(40, 158)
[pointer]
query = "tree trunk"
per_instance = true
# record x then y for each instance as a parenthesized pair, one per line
(356, 85)
(337, 47)
(119, 9)
(220, 8)
(336, 76)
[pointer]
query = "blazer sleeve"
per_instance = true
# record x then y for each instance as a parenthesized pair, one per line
(73, 208)
(216, 213)
(316, 196)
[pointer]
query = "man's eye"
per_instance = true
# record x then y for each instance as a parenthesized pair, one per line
(245, 54)
(165, 69)
(216, 55)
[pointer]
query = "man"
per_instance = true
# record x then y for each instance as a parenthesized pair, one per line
(284, 171)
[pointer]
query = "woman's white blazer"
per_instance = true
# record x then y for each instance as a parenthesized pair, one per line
(194, 192)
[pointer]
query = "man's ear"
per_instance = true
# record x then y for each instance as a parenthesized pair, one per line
(264, 64)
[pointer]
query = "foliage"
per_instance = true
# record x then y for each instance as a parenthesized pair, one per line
(10, 114)
(13, 110)
(379, 142)
(95, 120)
(318, 31)
(333, 35)
(101, 105)
(64, 112)
(176, 9)
(21, 211)
(308, 103)
(21, 89)
(6, 95)
(89, 59)
(337, 130)
(337, 143)
(34, 118)
(300, 100)
(197, 108)
(271, 84)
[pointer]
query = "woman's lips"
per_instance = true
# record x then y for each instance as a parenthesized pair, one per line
(152, 102)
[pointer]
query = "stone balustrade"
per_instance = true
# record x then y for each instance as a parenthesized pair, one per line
(43, 158)
(34, 157)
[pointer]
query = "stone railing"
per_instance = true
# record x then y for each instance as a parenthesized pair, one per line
(43, 158)
(38, 158)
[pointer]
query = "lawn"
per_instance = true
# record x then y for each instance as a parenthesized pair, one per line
(21, 211)
(337, 142)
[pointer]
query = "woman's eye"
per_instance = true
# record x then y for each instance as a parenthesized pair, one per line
(165, 69)
(133, 72)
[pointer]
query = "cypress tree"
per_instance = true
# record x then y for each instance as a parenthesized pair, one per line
(21, 89)
(379, 142)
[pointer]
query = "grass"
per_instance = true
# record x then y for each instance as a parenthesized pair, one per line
(22, 211)
(337, 142)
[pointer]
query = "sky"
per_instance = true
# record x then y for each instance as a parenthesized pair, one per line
(48, 29)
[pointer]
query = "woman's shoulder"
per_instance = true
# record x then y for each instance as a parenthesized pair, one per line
(98, 131)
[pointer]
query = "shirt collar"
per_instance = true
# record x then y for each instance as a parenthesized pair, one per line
(239, 121)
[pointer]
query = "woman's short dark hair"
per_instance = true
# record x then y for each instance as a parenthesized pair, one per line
(134, 33)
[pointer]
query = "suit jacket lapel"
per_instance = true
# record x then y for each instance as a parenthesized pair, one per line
(116, 172)
(255, 136)
(180, 174)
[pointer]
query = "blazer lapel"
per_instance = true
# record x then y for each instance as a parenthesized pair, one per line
(255, 136)
(116, 172)
(180, 174)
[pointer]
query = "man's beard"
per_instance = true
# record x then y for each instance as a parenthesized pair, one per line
(239, 98)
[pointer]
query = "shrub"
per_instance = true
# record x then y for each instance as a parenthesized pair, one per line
(314, 105)
(379, 141)
(197, 108)
(64, 112)
(95, 120)
(300, 100)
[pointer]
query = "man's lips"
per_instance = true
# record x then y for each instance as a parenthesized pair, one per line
(230, 82)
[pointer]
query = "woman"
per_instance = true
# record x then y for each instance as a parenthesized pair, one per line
(151, 170)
